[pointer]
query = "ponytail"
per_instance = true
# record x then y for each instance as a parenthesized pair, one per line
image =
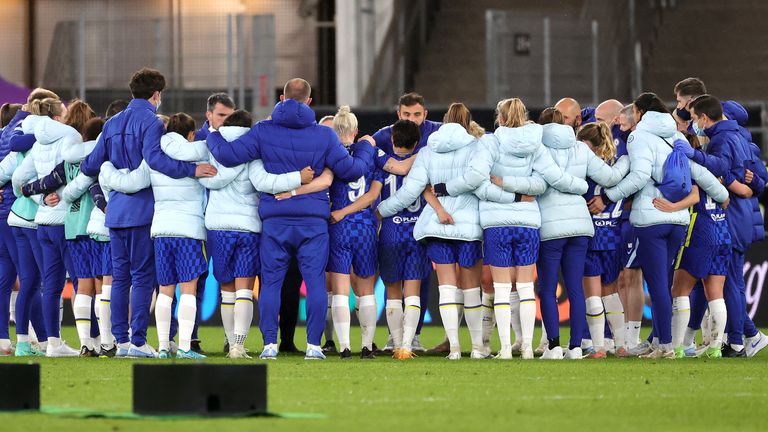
(511, 113)
(46, 107)
(459, 113)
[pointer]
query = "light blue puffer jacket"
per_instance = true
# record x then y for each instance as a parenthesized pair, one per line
(445, 157)
(517, 155)
(47, 152)
(566, 214)
(179, 203)
(233, 203)
(647, 154)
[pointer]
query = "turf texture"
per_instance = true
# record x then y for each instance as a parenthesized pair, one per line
(429, 393)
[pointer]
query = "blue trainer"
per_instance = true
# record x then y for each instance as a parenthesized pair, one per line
(122, 352)
(191, 355)
(25, 349)
(163, 354)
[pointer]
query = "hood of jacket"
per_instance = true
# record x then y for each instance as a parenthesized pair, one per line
(49, 131)
(658, 123)
(450, 137)
(293, 114)
(30, 122)
(735, 111)
(231, 133)
(519, 141)
(558, 136)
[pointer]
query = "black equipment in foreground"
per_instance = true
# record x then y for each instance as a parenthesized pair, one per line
(21, 387)
(200, 389)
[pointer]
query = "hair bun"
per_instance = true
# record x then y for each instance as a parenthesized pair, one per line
(344, 110)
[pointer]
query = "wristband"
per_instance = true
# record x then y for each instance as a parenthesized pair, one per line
(518, 197)
(293, 193)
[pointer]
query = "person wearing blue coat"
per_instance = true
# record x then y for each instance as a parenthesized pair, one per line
(660, 234)
(291, 141)
(727, 155)
(129, 138)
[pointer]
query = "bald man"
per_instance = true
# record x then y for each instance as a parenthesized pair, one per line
(571, 111)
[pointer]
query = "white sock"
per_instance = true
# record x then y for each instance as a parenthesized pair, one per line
(357, 307)
(690, 336)
(82, 309)
(449, 313)
(502, 311)
(105, 316)
(544, 341)
(394, 309)
(633, 333)
(341, 318)
(411, 320)
(243, 315)
(719, 315)
(614, 313)
(228, 315)
(473, 314)
(706, 328)
(328, 331)
(22, 338)
(367, 316)
(163, 313)
(460, 304)
(527, 311)
(61, 311)
(12, 308)
(186, 315)
(514, 315)
(596, 322)
(31, 333)
(681, 314)
(489, 319)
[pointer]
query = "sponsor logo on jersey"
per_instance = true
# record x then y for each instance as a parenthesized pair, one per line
(404, 219)
(606, 223)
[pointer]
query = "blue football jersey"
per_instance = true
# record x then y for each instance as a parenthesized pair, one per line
(607, 224)
(708, 226)
(343, 194)
(399, 227)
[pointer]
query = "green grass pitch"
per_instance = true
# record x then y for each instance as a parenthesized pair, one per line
(431, 393)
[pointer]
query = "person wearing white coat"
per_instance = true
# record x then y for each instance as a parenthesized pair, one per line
(446, 157)
(511, 221)
(660, 234)
(52, 136)
(234, 227)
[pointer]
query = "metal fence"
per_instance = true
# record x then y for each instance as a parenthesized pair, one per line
(235, 53)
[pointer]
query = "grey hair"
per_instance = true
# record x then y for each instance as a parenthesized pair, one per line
(627, 112)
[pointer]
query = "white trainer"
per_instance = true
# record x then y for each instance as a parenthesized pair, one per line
(505, 353)
(516, 347)
(543, 346)
(555, 353)
(477, 355)
(238, 351)
(456, 355)
(526, 352)
(62, 350)
(574, 354)
(755, 343)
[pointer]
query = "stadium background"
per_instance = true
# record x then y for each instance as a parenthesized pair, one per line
(375, 50)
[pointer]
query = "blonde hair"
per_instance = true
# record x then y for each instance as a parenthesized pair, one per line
(511, 113)
(599, 135)
(46, 107)
(459, 113)
(344, 122)
(40, 94)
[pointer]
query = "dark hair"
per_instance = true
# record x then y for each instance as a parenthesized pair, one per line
(181, 123)
(78, 113)
(7, 113)
(707, 105)
(220, 98)
(551, 115)
(690, 87)
(297, 89)
(411, 99)
(92, 128)
(405, 134)
(650, 102)
(145, 82)
(115, 107)
(239, 118)
(692, 139)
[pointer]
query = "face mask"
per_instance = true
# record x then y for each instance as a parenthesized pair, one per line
(699, 131)
(683, 114)
(158, 103)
